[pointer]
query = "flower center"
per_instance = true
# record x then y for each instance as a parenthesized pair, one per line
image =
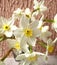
(28, 32)
(6, 27)
(34, 58)
(38, 8)
(17, 46)
(50, 48)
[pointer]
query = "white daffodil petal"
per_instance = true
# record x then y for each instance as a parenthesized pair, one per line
(18, 33)
(18, 11)
(40, 54)
(36, 33)
(44, 39)
(10, 21)
(1, 30)
(34, 24)
(46, 34)
(43, 8)
(42, 2)
(18, 45)
(24, 47)
(31, 41)
(23, 39)
(8, 33)
(24, 22)
(13, 27)
(55, 18)
(33, 18)
(20, 57)
(45, 28)
(40, 22)
(3, 20)
(23, 44)
(35, 2)
(54, 26)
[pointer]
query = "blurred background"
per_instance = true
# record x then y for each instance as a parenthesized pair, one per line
(8, 6)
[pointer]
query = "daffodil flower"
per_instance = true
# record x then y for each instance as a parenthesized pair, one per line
(50, 47)
(44, 30)
(27, 31)
(31, 58)
(39, 7)
(6, 26)
(54, 25)
(13, 43)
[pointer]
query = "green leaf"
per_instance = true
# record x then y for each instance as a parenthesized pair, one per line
(51, 21)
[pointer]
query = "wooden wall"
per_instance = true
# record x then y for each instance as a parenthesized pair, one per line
(8, 6)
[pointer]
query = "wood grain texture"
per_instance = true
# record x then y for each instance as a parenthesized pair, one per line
(8, 6)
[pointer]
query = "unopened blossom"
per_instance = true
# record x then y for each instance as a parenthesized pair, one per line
(17, 13)
(27, 12)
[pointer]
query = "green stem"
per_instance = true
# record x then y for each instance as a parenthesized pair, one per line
(30, 49)
(34, 11)
(47, 20)
(3, 37)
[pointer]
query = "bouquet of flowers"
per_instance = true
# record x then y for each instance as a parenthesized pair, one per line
(22, 38)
